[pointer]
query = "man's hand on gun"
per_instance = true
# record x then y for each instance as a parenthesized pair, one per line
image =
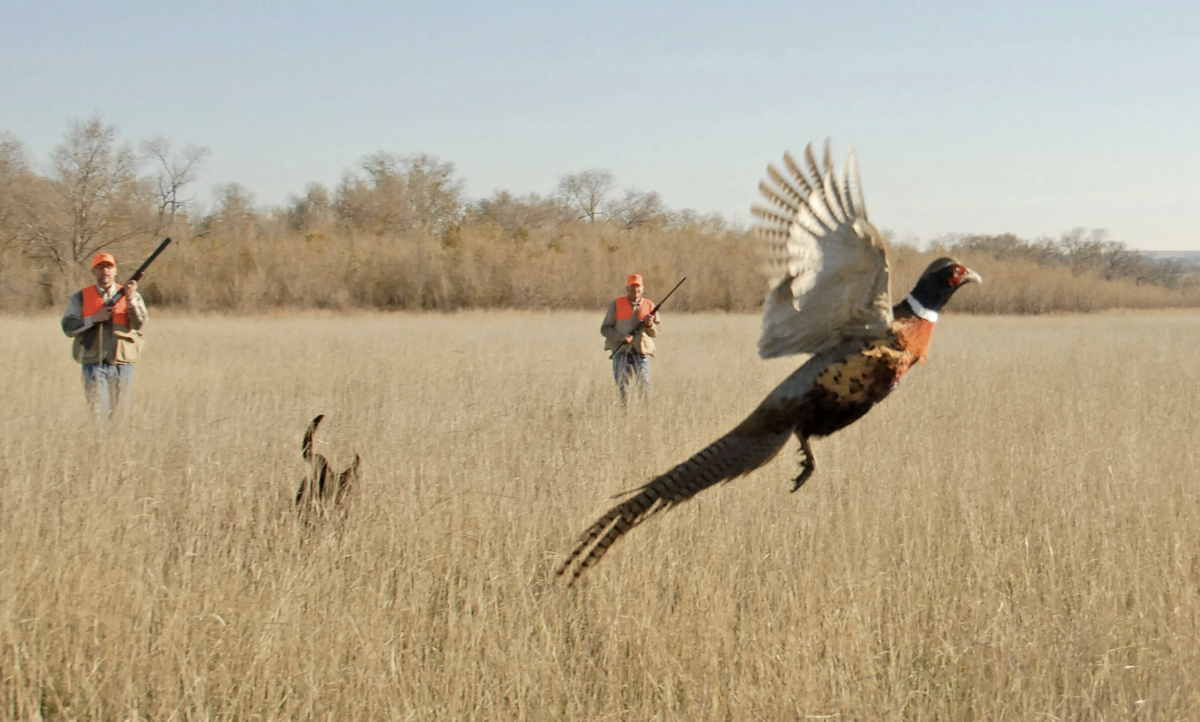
(647, 322)
(105, 313)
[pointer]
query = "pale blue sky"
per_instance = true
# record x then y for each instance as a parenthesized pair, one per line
(1030, 117)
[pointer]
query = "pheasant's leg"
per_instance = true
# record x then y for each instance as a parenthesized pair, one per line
(807, 465)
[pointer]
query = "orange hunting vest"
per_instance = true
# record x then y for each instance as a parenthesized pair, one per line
(93, 302)
(625, 308)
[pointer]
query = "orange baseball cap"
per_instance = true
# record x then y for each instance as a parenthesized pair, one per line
(635, 279)
(103, 258)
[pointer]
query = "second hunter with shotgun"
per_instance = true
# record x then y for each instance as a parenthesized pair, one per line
(105, 322)
(629, 328)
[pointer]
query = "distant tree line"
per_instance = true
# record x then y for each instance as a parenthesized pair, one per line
(1081, 250)
(398, 232)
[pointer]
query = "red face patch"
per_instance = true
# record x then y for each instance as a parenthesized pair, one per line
(957, 272)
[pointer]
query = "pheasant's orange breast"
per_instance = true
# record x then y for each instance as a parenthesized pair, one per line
(914, 335)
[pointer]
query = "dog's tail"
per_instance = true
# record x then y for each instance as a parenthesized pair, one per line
(306, 451)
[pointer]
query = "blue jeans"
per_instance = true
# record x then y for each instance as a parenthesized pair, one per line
(108, 388)
(627, 367)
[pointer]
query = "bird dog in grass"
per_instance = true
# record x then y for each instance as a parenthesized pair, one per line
(324, 489)
(830, 296)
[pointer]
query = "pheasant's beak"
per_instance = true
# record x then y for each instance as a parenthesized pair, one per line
(972, 277)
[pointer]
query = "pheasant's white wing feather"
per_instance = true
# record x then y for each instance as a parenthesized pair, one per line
(827, 266)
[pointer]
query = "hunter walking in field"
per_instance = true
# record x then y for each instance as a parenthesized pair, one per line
(629, 329)
(107, 336)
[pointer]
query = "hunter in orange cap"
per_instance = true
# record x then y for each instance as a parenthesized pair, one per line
(107, 353)
(629, 329)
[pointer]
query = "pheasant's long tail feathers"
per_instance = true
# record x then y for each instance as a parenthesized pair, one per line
(306, 449)
(725, 459)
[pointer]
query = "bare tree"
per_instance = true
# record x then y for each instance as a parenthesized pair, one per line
(1003, 246)
(234, 212)
(353, 203)
(384, 169)
(1165, 272)
(518, 216)
(96, 199)
(401, 194)
(1083, 249)
(637, 210)
(175, 171)
(692, 220)
(312, 211)
(12, 154)
(377, 201)
(14, 174)
(586, 192)
(1121, 261)
(434, 194)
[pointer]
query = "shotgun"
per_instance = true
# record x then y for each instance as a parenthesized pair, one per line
(625, 348)
(89, 336)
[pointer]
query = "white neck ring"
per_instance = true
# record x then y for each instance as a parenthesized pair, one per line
(922, 312)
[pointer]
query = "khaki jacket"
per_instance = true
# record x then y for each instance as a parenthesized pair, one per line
(115, 343)
(613, 330)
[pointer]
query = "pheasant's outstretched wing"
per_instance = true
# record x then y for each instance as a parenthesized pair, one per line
(827, 265)
(739, 452)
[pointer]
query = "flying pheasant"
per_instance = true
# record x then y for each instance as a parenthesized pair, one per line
(831, 298)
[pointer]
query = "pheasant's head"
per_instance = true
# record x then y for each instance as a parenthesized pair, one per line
(939, 282)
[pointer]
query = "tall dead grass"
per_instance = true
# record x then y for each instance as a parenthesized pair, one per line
(569, 267)
(481, 268)
(1013, 535)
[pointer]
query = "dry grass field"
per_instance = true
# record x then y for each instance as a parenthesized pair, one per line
(1014, 535)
